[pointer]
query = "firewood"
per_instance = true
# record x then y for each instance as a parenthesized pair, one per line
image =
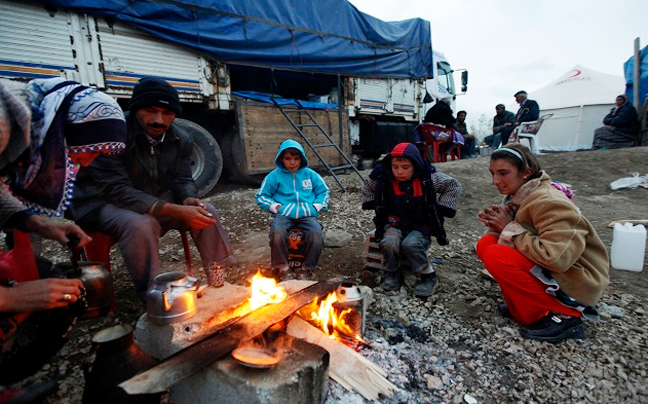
(347, 367)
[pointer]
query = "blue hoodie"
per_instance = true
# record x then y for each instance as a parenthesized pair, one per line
(301, 194)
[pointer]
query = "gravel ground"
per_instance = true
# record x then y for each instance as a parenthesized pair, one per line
(452, 347)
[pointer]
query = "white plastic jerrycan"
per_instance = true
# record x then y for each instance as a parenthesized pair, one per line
(628, 247)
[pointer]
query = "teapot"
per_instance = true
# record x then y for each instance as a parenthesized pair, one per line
(171, 298)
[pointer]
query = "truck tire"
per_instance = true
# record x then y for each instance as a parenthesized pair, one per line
(233, 157)
(206, 158)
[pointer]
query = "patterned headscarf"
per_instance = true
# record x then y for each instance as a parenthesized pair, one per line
(69, 121)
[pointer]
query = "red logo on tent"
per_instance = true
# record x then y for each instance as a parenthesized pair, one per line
(575, 72)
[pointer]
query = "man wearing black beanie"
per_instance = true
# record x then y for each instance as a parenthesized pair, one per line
(150, 189)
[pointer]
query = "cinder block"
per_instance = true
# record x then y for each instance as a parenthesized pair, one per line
(300, 378)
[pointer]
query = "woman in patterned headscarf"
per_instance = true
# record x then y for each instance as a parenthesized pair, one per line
(48, 128)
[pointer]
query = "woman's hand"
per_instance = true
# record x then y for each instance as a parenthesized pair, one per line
(495, 217)
(41, 294)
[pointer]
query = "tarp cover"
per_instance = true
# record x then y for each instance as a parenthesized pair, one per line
(327, 36)
(628, 68)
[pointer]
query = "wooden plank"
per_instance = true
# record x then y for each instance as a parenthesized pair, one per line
(205, 352)
(347, 367)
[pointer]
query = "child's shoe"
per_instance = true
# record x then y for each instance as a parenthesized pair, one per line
(426, 285)
(391, 281)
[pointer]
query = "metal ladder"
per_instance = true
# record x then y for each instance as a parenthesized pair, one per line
(299, 126)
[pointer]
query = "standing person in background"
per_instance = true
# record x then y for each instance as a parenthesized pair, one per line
(546, 257)
(621, 126)
(529, 111)
(501, 118)
(137, 198)
(468, 148)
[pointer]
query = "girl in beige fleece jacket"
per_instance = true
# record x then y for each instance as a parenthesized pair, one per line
(548, 260)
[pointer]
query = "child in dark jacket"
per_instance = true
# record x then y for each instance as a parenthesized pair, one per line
(403, 191)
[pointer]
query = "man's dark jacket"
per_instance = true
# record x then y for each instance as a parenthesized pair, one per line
(133, 180)
(441, 114)
(528, 111)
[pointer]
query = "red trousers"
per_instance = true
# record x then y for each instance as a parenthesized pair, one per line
(523, 293)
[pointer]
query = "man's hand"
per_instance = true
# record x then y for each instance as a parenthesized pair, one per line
(42, 294)
(58, 230)
(191, 201)
(195, 217)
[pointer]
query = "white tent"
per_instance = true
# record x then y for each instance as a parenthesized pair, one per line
(578, 100)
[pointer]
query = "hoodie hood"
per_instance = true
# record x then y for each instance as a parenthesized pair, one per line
(410, 151)
(287, 145)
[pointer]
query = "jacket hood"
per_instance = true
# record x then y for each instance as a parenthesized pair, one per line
(287, 145)
(405, 150)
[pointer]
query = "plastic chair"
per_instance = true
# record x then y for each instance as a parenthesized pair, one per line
(434, 135)
(99, 249)
(529, 130)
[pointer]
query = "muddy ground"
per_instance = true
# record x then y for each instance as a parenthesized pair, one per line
(588, 172)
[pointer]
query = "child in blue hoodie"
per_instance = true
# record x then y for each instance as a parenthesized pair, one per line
(294, 194)
(411, 201)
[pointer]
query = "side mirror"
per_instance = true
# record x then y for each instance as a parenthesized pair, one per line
(464, 81)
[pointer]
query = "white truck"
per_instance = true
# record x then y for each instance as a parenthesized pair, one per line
(222, 97)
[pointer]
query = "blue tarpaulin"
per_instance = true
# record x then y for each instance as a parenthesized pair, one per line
(325, 36)
(628, 68)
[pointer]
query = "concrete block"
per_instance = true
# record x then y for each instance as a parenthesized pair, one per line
(300, 378)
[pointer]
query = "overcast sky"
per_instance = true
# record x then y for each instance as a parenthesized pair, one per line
(511, 45)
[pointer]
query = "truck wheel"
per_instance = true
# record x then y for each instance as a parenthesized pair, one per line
(206, 158)
(234, 157)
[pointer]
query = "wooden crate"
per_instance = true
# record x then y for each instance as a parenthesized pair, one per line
(262, 128)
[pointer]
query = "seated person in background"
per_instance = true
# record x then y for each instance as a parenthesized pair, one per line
(149, 190)
(621, 126)
(548, 260)
(294, 194)
(441, 114)
(48, 128)
(500, 120)
(403, 190)
(468, 148)
(529, 111)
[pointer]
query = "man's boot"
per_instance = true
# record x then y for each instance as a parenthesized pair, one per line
(391, 281)
(426, 285)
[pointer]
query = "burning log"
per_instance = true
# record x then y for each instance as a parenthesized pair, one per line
(197, 356)
(347, 367)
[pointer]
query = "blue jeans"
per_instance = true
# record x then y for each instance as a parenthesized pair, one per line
(139, 240)
(279, 240)
(412, 247)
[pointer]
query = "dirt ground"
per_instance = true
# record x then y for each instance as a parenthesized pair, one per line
(588, 172)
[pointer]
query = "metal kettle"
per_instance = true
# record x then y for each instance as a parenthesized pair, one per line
(171, 298)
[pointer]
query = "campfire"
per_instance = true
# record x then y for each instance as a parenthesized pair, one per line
(329, 314)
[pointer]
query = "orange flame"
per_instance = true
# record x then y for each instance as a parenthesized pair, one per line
(330, 319)
(265, 291)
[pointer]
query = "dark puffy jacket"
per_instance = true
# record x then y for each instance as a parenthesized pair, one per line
(432, 216)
